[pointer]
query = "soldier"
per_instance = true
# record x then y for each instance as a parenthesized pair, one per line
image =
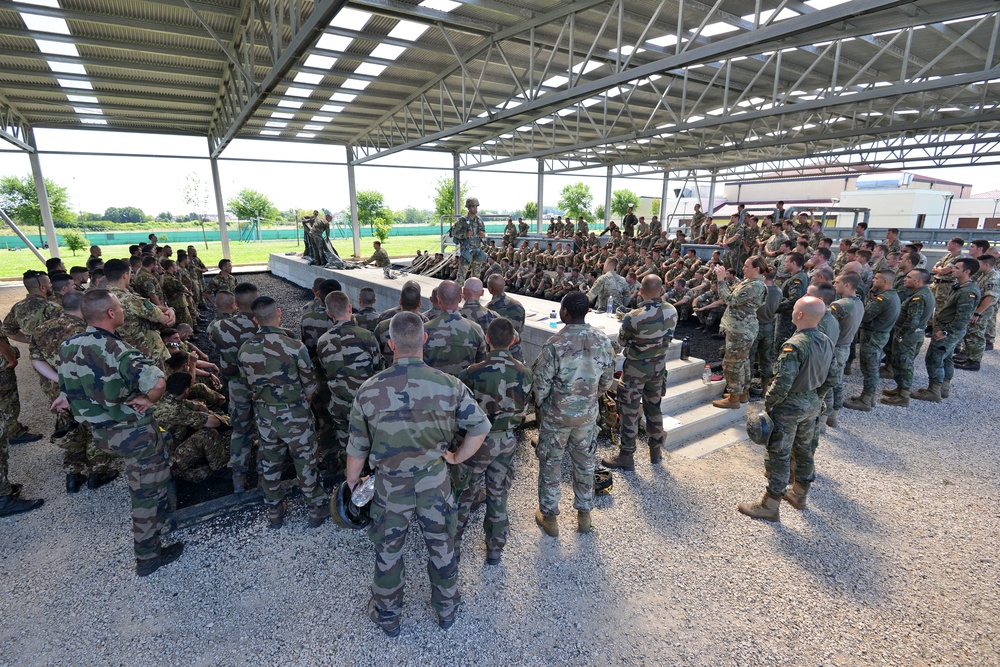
(381, 259)
(191, 284)
(82, 461)
(453, 342)
(876, 326)
(950, 324)
(277, 370)
(509, 233)
(609, 286)
(792, 401)
(849, 310)
(503, 305)
(762, 352)
(387, 314)
(501, 385)
(629, 221)
(320, 238)
(142, 318)
(366, 316)
(410, 463)
(942, 272)
(228, 333)
(471, 309)
(916, 311)
(409, 302)
(469, 232)
(348, 355)
(111, 386)
(175, 294)
(792, 289)
(196, 447)
(522, 227)
(645, 334)
(988, 281)
(223, 280)
(575, 367)
(195, 268)
(146, 284)
(11, 502)
(316, 322)
(740, 325)
(311, 250)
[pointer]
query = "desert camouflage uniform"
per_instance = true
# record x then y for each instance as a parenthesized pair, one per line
(609, 285)
(575, 367)
(953, 317)
(740, 325)
(228, 333)
(402, 422)
(501, 385)
(99, 372)
(645, 334)
(277, 369)
(453, 343)
(876, 327)
(367, 318)
(466, 232)
(908, 334)
(195, 450)
(146, 285)
(975, 339)
(142, 325)
(504, 306)
(176, 297)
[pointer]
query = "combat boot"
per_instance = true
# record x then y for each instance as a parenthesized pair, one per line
(902, 398)
(547, 522)
(885, 373)
(946, 389)
(655, 454)
(767, 508)
(74, 481)
(318, 514)
(891, 392)
(583, 524)
(239, 482)
(831, 419)
(276, 515)
(731, 401)
(847, 368)
(624, 461)
(862, 403)
(968, 366)
(796, 496)
(745, 396)
(11, 505)
(144, 568)
(96, 480)
(931, 394)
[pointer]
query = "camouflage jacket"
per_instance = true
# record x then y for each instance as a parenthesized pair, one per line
(145, 284)
(406, 417)
(504, 306)
(742, 301)
(219, 283)
(803, 366)
(174, 291)
(647, 331)
(142, 325)
(849, 312)
(179, 417)
(277, 369)
(188, 278)
(51, 334)
(989, 285)
(609, 285)
(478, 313)
(468, 229)
(366, 318)
(453, 343)
(348, 355)
(314, 324)
(915, 311)
(502, 386)
(99, 372)
(382, 336)
(379, 258)
(228, 333)
(574, 368)
(792, 290)
(958, 308)
(27, 314)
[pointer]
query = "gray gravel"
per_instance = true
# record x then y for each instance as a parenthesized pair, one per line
(894, 563)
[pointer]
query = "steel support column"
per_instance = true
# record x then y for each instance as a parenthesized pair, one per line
(456, 184)
(352, 189)
(607, 195)
(541, 192)
(663, 195)
(31, 246)
(711, 194)
(43, 197)
(220, 208)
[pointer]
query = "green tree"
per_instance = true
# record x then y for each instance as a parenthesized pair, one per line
(575, 200)
(621, 200)
(75, 241)
(195, 193)
(166, 216)
(381, 227)
(248, 204)
(371, 205)
(19, 199)
(531, 211)
(655, 206)
(444, 196)
(411, 216)
(599, 212)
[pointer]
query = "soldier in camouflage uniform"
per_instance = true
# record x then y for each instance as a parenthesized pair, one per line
(575, 367)
(347, 355)
(315, 322)
(282, 382)
(223, 280)
(11, 502)
(792, 401)
(112, 387)
(228, 333)
(762, 352)
(502, 386)
(175, 294)
(408, 452)
(409, 301)
(849, 310)
(988, 281)
(196, 448)
(880, 316)
(908, 334)
(609, 286)
(146, 284)
(380, 258)
(469, 232)
(472, 292)
(504, 306)
(192, 279)
(943, 273)
(950, 324)
(453, 342)
(366, 316)
(792, 289)
(645, 334)
(740, 325)
(141, 329)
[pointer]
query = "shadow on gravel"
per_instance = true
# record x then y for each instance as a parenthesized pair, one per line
(855, 447)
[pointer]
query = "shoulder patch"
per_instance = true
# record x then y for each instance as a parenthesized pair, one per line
(916, 298)
(971, 295)
(833, 306)
(878, 298)
(788, 349)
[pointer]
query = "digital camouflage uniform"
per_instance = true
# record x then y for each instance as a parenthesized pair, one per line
(975, 338)
(228, 333)
(792, 289)
(24, 317)
(849, 312)
(195, 450)
(366, 318)
(953, 317)
(142, 325)
(348, 355)
(908, 334)
(644, 336)
(380, 258)
(575, 367)
(277, 370)
(501, 385)
(466, 232)
(609, 285)
(740, 325)
(762, 352)
(504, 306)
(941, 287)
(453, 343)
(402, 422)
(99, 372)
(176, 297)
(145, 284)
(80, 455)
(802, 375)
(876, 327)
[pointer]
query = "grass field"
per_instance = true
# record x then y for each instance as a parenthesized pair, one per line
(14, 263)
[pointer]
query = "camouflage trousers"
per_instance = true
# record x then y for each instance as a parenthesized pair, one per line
(241, 417)
(199, 455)
(872, 345)
(938, 358)
(183, 314)
(581, 443)
(288, 429)
(762, 352)
(711, 317)
(428, 497)
(5, 489)
(975, 337)
(147, 473)
(641, 381)
(341, 427)
(80, 454)
(470, 261)
(490, 468)
(903, 353)
(736, 364)
(10, 403)
(794, 437)
(835, 401)
(991, 324)
(200, 391)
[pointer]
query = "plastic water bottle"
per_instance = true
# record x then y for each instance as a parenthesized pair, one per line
(553, 323)
(685, 349)
(611, 306)
(706, 376)
(364, 492)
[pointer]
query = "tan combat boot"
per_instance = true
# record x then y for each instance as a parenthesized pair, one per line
(731, 401)
(624, 461)
(901, 398)
(583, 524)
(547, 522)
(862, 403)
(891, 392)
(946, 389)
(931, 394)
(831, 419)
(745, 396)
(766, 508)
(796, 497)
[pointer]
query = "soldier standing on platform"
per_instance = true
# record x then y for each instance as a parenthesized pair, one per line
(739, 323)
(469, 232)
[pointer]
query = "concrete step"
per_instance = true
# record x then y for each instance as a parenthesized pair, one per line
(709, 444)
(700, 421)
(689, 393)
(679, 372)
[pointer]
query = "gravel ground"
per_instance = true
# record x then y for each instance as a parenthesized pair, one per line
(894, 563)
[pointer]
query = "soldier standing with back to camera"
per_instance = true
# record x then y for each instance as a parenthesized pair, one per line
(469, 232)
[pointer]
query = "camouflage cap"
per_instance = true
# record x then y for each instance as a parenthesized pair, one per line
(471, 201)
